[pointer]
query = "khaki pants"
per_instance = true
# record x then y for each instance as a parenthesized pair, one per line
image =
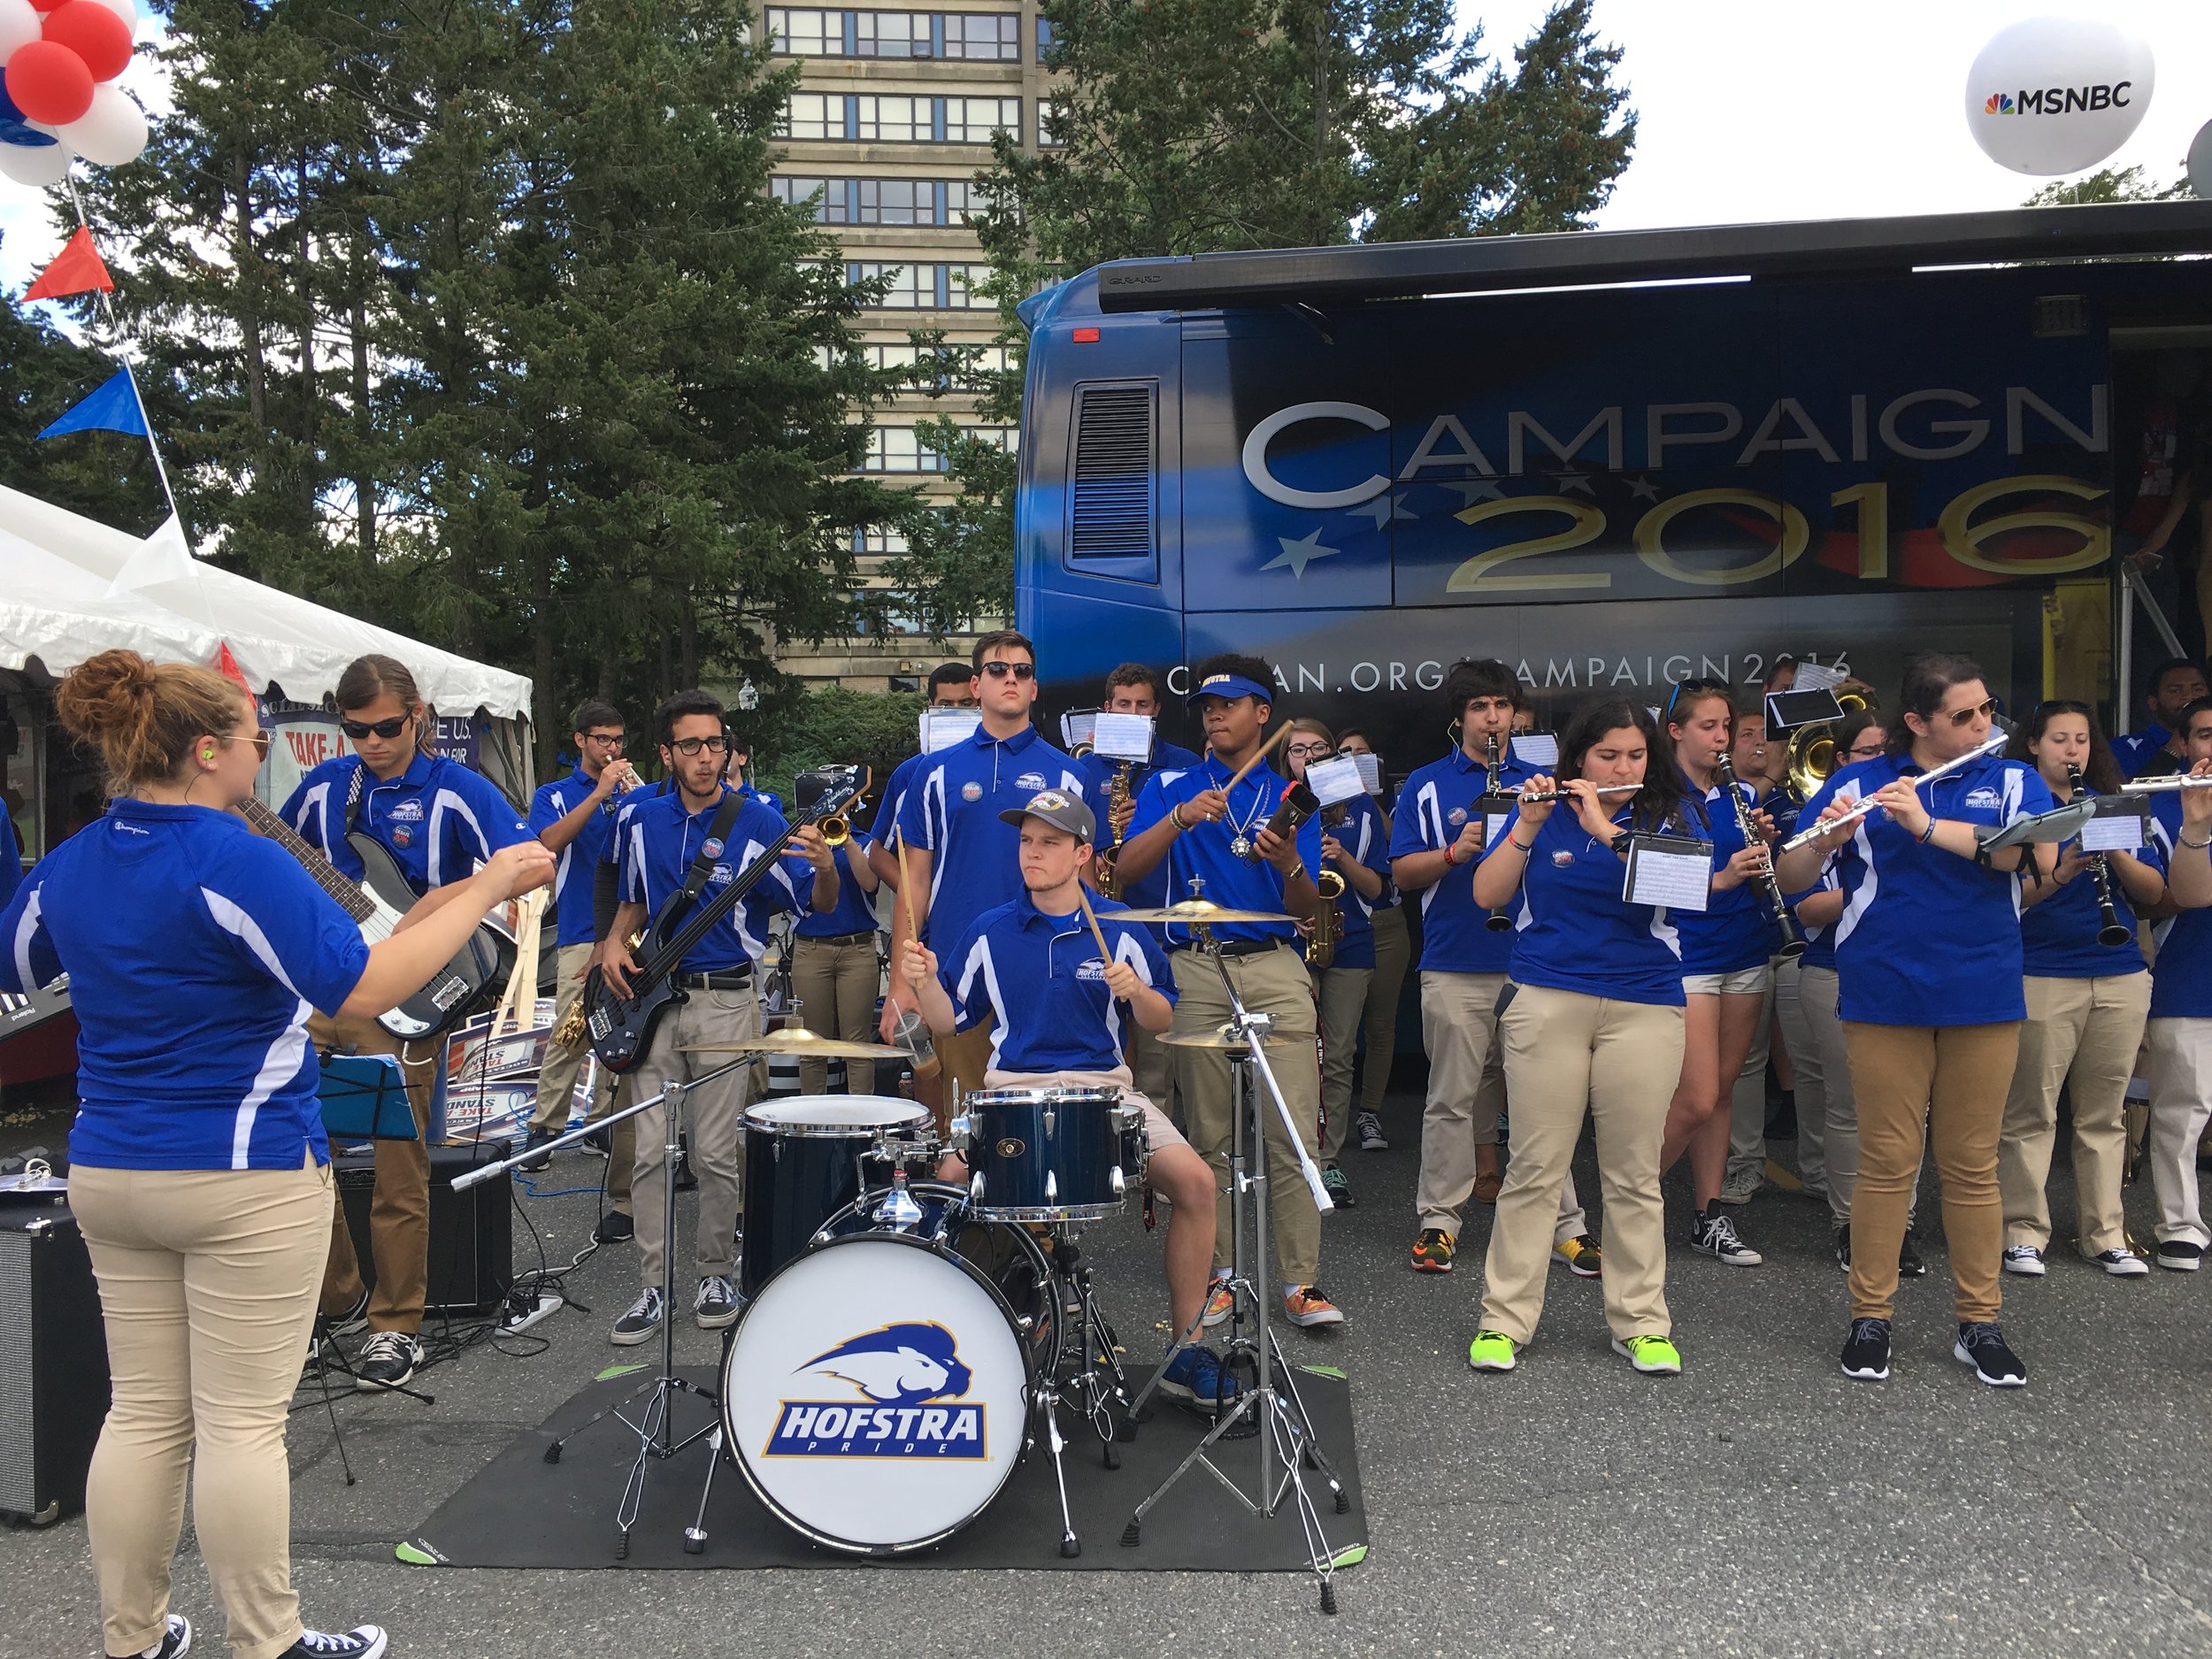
(1812, 1076)
(1341, 1002)
(1567, 1055)
(836, 980)
(1916, 1085)
(399, 1207)
(1746, 1171)
(1459, 1024)
(711, 1117)
(2181, 1105)
(2082, 1034)
(207, 1281)
(556, 1081)
(963, 1059)
(1273, 982)
(1152, 1066)
(1394, 954)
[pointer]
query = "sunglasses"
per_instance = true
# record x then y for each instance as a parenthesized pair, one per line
(1965, 716)
(385, 729)
(688, 746)
(1695, 687)
(1020, 670)
(258, 738)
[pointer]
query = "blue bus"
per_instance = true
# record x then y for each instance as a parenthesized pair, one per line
(1617, 460)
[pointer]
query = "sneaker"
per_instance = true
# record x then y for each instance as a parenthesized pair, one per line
(1909, 1263)
(1493, 1350)
(1371, 1135)
(1714, 1235)
(1220, 1305)
(686, 1181)
(533, 1160)
(387, 1360)
(2181, 1254)
(1982, 1346)
(599, 1144)
(363, 1641)
(1307, 1307)
(641, 1321)
(2025, 1260)
(1432, 1251)
(2122, 1263)
(176, 1640)
(1654, 1355)
(1866, 1350)
(1338, 1186)
(348, 1320)
(1843, 1247)
(615, 1228)
(1737, 1195)
(716, 1304)
(1197, 1378)
(1582, 1256)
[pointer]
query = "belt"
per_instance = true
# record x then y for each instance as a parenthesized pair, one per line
(719, 979)
(837, 938)
(1246, 947)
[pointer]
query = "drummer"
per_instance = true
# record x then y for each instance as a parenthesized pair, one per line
(1031, 967)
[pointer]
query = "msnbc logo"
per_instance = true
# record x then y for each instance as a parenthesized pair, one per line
(1999, 103)
(2058, 100)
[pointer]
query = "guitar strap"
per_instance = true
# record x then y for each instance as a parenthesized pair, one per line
(353, 805)
(702, 866)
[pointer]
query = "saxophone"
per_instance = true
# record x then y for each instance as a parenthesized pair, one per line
(1328, 920)
(1118, 809)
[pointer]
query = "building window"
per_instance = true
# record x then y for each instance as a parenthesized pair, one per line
(955, 288)
(899, 449)
(874, 539)
(901, 120)
(880, 200)
(973, 120)
(894, 121)
(1044, 38)
(1049, 115)
(991, 37)
(815, 115)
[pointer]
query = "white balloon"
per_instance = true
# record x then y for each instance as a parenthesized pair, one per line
(127, 9)
(111, 131)
(19, 24)
(2057, 94)
(47, 165)
(2200, 163)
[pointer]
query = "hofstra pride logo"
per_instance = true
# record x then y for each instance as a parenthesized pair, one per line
(2058, 100)
(909, 1377)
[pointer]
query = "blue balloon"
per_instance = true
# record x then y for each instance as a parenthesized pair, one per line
(29, 137)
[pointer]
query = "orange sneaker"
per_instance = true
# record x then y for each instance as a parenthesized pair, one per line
(1220, 1305)
(1307, 1306)
(1432, 1251)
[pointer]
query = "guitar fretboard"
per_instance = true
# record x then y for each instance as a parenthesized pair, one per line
(350, 899)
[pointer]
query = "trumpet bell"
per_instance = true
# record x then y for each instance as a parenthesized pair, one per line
(836, 829)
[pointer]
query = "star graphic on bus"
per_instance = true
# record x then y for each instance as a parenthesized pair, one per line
(1385, 508)
(1299, 554)
(1473, 489)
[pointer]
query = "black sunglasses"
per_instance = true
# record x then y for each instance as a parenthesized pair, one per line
(1020, 670)
(385, 729)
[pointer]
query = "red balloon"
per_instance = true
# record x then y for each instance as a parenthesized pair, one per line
(49, 82)
(94, 33)
(48, 5)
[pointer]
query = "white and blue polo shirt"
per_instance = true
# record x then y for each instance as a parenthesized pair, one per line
(1098, 772)
(438, 818)
(1735, 931)
(2058, 934)
(1363, 836)
(656, 839)
(1573, 930)
(1039, 980)
(1433, 809)
(580, 859)
(2181, 979)
(951, 811)
(1203, 851)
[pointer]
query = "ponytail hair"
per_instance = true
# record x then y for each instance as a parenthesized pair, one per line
(143, 716)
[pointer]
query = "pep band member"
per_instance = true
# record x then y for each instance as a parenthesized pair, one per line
(2180, 1030)
(2086, 1005)
(1393, 952)
(834, 972)
(199, 1171)
(1196, 825)
(1591, 1024)
(1929, 964)
(1022, 966)
(438, 820)
(1437, 841)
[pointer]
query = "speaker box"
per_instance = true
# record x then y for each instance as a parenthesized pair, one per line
(53, 1361)
(472, 1233)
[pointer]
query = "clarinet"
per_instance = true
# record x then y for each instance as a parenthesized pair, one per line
(1769, 888)
(1493, 791)
(2112, 929)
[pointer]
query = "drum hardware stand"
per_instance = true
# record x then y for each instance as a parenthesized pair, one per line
(1100, 1385)
(654, 1425)
(1280, 1422)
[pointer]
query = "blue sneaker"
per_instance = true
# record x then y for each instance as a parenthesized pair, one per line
(1196, 1377)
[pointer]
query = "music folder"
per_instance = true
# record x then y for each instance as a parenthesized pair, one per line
(365, 1098)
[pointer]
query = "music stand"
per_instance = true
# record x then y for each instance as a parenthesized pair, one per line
(363, 1097)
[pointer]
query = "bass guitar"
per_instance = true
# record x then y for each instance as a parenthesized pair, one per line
(620, 1027)
(376, 903)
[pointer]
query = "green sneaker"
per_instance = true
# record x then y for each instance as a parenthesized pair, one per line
(1491, 1351)
(1338, 1186)
(1654, 1355)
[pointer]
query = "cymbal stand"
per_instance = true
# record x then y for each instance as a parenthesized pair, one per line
(654, 1425)
(1271, 1408)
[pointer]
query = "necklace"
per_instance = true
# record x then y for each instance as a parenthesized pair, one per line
(1240, 841)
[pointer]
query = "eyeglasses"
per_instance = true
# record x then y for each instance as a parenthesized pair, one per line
(1020, 670)
(609, 740)
(1307, 751)
(1866, 750)
(690, 745)
(258, 738)
(1965, 716)
(386, 729)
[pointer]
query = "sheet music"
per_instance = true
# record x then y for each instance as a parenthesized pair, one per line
(941, 728)
(1670, 870)
(1077, 725)
(1122, 736)
(1369, 772)
(2118, 833)
(1817, 677)
(1492, 826)
(1536, 749)
(1334, 781)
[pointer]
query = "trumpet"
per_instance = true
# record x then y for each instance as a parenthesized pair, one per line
(1769, 889)
(2111, 929)
(1806, 837)
(836, 829)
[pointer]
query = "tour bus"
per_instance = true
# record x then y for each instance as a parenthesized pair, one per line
(1620, 459)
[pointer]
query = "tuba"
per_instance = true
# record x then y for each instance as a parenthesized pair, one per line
(1812, 749)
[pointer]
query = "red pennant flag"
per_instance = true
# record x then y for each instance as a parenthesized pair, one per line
(226, 666)
(77, 269)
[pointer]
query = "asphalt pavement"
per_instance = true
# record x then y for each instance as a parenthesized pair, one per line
(1758, 1504)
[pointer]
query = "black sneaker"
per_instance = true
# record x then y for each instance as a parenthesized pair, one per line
(1909, 1263)
(176, 1640)
(716, 1304)
(615, 1228)
(1338, 1186)
(1843, 1247)
(686, 1181)
(1714, 1235)
(533, 1160)
(363, 1641)
(1982, 1346)
(2181, 1254)
(1370, 1133)
(346, 1321)
(387, 1360)
(1866, 1350)
(599, 1144)
(641, 1321)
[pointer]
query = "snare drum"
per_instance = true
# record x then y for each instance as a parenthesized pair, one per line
(1054, 1154)
(806, 1157)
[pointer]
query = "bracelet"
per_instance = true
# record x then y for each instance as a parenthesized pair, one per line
(1296, 873)
(1175, 817)
(1516, 847)
(2198, 846)
(1451, 855)
(1928, 834)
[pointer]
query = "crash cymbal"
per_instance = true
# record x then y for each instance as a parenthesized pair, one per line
(1223, 1038)
(803, 1043)
(1196, 911)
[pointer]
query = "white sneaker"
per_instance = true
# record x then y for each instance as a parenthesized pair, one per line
(2122, 1263)
(2025, 1260)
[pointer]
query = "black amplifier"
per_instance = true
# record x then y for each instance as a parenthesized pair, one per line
(472, 1233)
(53, 1359)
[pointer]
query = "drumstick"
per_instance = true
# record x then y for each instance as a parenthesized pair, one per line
(906, 892)
(1105, 956)
(1265, 749)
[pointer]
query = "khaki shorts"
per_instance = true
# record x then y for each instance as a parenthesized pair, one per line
(1742, 982)
(1158, 1131)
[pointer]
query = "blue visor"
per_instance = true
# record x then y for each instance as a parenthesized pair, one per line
(1231, 686)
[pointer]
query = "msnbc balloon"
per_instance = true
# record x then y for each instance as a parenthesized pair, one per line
(2057, 94)
(36, 167)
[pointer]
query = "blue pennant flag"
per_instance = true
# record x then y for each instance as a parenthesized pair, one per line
(113, 407)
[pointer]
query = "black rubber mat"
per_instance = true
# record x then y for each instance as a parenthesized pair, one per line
(522, 1511)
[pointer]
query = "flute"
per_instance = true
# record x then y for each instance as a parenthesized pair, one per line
(1866, 804)
(2176, 781)
(1547, 795)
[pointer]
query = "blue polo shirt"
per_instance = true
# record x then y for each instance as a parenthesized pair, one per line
(1433, 809)
(1780, 803)
(885, 830)
(951, 811)
(1203, 851)
(1364, 837)
(1735, 931)
(2058, 936)
(1098, 775)
(11, 857)
(573, 876)
(438, 819)
(1574, 932)
(1820, 942)
(1927, 938)
(194, 951)
(2138, 749)
(1038, 978)
(2181, 979)
(655, 841)
(855, 910)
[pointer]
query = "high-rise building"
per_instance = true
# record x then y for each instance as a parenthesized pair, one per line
(892, 122)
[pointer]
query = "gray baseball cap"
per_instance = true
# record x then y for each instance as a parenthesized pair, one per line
(1059, 809)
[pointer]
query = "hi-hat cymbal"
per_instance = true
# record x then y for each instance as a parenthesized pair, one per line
(803, 1043)
(1192, 910)
(1222, 1037)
